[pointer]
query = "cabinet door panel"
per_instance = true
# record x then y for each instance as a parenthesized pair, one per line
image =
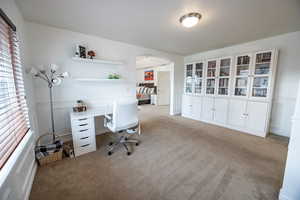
(257, 113)
(196, 108)
(236, 111)
(207, 108)
(221, 110)
(186, 106)
(188, 85)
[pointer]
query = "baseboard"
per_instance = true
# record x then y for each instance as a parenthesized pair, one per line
(282, 196)
(175, 113)
(30, 181)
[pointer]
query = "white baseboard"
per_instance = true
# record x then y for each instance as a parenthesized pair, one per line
(30, 181)
(175, 113)
(283, 196)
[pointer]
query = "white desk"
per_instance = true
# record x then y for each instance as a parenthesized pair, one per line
(83, 128)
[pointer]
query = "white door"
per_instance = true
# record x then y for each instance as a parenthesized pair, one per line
(187, 106)
(163, 88)
(208, 108)
(257, 113)
(196, 108)
(221, 110)
(236, 112)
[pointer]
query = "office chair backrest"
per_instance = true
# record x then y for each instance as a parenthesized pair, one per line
(124, 114)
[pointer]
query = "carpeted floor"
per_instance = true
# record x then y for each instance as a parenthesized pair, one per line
(178, 159)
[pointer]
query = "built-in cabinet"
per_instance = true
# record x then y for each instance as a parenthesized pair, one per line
(234, 91)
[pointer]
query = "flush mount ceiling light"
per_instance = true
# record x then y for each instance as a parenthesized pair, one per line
(190, 20)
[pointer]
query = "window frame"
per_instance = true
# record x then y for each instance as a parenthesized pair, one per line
(22, 127)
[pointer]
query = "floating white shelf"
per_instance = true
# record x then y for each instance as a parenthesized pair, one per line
(98, 80)
(97, 61)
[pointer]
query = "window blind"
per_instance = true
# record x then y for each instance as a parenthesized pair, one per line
(14, 122)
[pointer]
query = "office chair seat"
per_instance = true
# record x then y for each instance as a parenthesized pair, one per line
(124, 117)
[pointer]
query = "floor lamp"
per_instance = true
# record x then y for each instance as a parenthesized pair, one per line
(52, 78)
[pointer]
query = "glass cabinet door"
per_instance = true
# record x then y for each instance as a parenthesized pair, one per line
(211, 77)
(241, 75)
(188, 88)
(198, 78)
(224, 76)
(261, 74)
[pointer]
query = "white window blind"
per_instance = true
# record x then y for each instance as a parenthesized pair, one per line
(14, 123)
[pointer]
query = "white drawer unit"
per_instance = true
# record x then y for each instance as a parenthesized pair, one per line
(83, 134)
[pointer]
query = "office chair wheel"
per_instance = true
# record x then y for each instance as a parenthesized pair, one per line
(111, 143)
(110, 153)
(128, 153)
(137, 144)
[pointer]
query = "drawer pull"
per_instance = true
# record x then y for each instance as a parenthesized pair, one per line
(83, 130)
(83, 138)
(85, 145)
(83, 124)
(82, 119)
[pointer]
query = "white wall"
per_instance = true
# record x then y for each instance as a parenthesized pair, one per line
(52, 45)
(291, 183)
(140, 76)
(288, 73)
(17, 174)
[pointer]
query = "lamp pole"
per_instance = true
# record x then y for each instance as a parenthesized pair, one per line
(51, 110)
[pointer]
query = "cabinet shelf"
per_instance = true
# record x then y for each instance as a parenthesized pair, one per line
(97, 61)
(261, 63)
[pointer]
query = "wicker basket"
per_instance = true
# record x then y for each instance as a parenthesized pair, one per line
(51, 157)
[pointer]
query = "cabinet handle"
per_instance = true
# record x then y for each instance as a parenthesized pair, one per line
(83, 124)
(84, 138)
(85, 145)
(82, 119)
(83, 130)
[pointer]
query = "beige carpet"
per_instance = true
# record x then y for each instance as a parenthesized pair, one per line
(178, 159)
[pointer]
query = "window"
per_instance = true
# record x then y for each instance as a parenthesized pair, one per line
(14, 123)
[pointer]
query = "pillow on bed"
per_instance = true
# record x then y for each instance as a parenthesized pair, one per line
(144, 90)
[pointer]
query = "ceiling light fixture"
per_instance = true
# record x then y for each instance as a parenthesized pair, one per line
(190, 20)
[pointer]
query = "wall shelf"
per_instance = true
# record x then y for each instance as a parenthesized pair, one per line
(96, 61)
(98, 80)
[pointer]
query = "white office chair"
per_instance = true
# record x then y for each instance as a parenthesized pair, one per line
(123, 118)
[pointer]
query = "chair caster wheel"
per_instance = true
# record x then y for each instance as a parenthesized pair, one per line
(110, 153)
(110, 144)
(137, 144)
(128, 153)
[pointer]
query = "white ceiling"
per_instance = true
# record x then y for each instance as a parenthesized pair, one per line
(150, 61)
(154, 23)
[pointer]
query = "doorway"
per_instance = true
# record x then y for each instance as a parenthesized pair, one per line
(154, 82)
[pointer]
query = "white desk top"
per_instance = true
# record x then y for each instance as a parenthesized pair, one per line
(92, 112)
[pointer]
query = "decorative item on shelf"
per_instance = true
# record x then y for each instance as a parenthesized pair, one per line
(92, 54)
(114, 76)
(82, 51)
(77, 52)
(80, 106)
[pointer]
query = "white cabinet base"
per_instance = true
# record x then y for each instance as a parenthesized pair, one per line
(241, 115)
